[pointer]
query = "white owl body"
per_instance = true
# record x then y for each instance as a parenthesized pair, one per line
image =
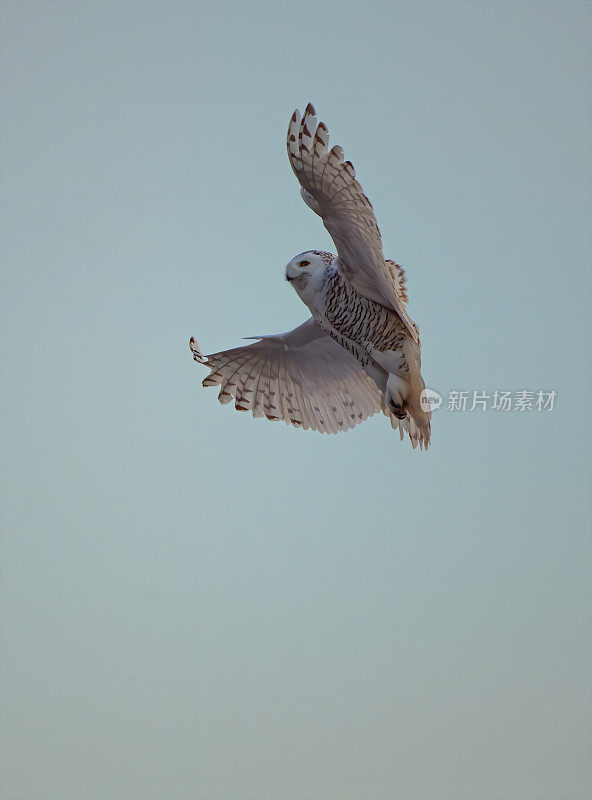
(374, 334)
(355, 320)
(359, 354)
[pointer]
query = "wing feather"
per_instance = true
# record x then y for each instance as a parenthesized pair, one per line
(302, 377)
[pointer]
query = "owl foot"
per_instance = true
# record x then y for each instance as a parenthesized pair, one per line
(396, 395)
(398, 411)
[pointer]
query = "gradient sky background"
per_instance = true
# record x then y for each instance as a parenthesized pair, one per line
(196, 604)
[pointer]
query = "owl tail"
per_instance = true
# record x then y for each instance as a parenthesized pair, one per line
(417, 419)
(419, 414)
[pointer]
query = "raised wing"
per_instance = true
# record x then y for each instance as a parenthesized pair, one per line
(330, 188)
(302, 377)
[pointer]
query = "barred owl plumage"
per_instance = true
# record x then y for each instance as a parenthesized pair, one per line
(359, 353)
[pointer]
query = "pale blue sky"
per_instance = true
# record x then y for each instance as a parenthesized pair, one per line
(196, 604)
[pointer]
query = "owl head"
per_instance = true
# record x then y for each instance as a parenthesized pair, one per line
(308, 269)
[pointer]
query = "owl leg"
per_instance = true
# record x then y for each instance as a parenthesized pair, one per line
(394, 388)
(393, 361)
(397, 391)
(377, 373)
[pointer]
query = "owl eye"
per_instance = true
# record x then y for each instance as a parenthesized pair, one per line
(304, 263)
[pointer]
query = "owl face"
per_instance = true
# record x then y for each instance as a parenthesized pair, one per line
(307, 265)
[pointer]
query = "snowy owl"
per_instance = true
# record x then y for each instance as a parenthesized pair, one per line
(359, 353)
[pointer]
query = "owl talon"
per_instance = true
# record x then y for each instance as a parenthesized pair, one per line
(398, 411)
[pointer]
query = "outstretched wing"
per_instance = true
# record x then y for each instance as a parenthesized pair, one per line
(330, 188)
(302, 377)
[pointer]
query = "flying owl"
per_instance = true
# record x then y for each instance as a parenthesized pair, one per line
(359, 352)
